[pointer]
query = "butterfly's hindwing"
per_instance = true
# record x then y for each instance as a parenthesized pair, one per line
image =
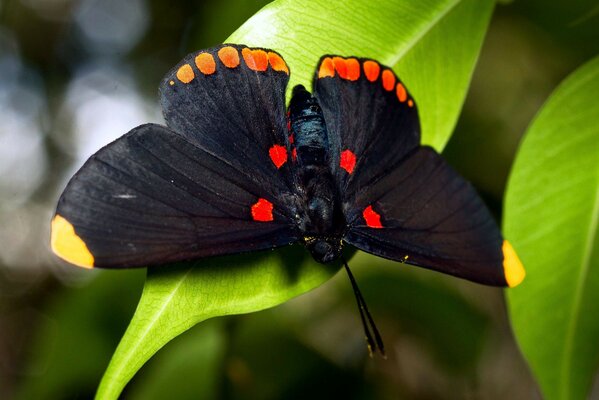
(425, 214)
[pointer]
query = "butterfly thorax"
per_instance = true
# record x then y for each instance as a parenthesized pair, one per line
(323, 217)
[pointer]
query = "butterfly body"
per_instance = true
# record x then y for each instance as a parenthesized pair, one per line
(230, 173)
(321, 225)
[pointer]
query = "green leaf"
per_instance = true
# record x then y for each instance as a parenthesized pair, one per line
(433, 45)
(551, 211)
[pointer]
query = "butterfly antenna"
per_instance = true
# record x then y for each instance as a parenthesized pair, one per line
(373, 339)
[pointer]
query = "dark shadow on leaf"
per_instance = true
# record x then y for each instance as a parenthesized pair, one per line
(290, 258)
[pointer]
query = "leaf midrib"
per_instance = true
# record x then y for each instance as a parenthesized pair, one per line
(427, 28)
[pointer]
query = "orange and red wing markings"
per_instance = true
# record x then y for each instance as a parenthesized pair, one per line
(256, 60)
(229, 56)
(353, 69)
(345, 68)
(400, 90)
(205, 63)
(278, 155)
(372, 69)
(372, 218)
(185, 73)
(347, 161)
(388, 80)
(277, 63)
(262, 210)
(327, 68)
(340, 64)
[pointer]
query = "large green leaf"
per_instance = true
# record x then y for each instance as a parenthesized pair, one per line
(432, 44)
(551, 212)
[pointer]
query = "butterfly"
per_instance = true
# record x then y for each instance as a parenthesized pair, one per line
(235, 170)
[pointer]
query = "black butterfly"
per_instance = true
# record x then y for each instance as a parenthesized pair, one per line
(233, 172)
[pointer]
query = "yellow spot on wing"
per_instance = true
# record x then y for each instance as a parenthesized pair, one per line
(67, 245)
(512, 266)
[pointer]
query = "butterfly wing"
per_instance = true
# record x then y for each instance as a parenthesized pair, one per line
(371, 117)
(215, 182)
(425, 214)
(230, 100)
(402, 201)
(153, 197)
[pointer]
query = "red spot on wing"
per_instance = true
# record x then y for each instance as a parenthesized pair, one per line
(400, 90)
(353, 69)
(388, 80)
(291, 139)
(340, 66)
(278, 155)
(262, 210)
(256, 60)
(294, 154)
(372, 218)
(371, 70)
(348, 161)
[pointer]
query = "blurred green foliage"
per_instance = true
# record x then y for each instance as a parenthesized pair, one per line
(446, 338)
(552, 215)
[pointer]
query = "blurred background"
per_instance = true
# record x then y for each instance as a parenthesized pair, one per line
(74, 75)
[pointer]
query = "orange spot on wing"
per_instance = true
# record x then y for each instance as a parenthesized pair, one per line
(400, 90)
(327, 68)
(262, 210)
(256, 60)
(278, 155)
(229, 56)
(277, 63)
(388, 80)
(348, 161)
(372, 218)
(372, 69)
(353, 69)
(340, 66)
(185, 73)
(67, 245)
(410, 103)
(205, 63)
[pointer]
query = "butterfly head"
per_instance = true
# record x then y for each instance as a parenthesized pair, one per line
(324, 250)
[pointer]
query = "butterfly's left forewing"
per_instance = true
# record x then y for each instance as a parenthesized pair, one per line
(216, 181)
